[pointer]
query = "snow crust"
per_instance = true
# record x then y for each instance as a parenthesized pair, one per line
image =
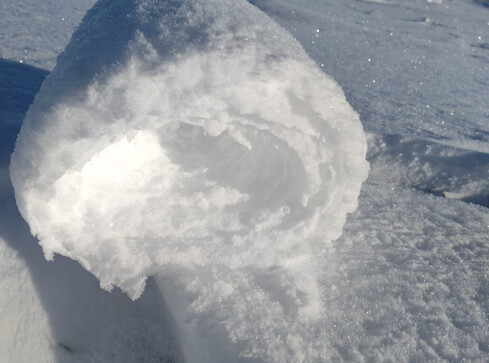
(195, 141)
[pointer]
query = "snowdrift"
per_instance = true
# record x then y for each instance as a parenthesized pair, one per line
(195, 141)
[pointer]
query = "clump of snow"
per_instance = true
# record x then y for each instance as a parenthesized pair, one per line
(195, 141)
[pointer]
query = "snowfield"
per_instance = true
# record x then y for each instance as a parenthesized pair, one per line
(251, 249)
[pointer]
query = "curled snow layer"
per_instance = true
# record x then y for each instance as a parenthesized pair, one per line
(197, 140)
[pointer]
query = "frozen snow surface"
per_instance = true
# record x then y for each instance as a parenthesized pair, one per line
(34, 32)
(406, 281)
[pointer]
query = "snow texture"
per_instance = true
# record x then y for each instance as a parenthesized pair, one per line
(417, 73)
(56, 312)
(202, 145)
(408, 279)
(34, 32)
(415, 69)
(25, 333)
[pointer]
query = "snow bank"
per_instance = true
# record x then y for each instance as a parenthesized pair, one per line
(195, 141)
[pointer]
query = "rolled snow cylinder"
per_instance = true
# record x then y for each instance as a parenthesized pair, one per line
(195, 140)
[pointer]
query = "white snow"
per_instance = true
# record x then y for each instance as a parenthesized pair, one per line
(412, 286)
(34, 32)
(428, 61)
(25, 335)
(431, 167)
(201, 144)
(57, 311)
(406, 281)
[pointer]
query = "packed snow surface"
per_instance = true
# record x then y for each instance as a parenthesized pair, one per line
(195, 141)
(34, 32)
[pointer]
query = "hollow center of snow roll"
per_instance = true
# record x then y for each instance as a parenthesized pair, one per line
(204, 164)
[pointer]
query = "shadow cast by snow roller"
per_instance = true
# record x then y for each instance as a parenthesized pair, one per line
(19, 84)
(195, 140)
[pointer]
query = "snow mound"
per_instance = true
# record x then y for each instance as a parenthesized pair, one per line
(194, 140)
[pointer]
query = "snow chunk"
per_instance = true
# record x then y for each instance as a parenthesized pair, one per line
(197, 140)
